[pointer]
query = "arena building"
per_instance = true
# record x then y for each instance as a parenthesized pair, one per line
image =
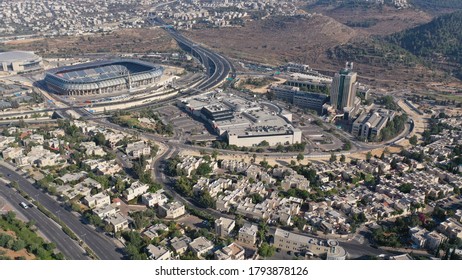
(103, 77)
(20, 62)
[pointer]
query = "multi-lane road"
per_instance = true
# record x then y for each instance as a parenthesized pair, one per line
(104, 247)
(217, 66)
(52, 231)
(218, 69)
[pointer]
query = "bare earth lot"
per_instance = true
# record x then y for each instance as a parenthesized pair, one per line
(389, 20)
(121, 41)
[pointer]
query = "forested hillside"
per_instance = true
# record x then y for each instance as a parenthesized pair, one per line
(439, 39)
(437, 4)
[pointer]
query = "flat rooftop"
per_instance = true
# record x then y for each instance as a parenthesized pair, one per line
(17, 56)
(249, 118)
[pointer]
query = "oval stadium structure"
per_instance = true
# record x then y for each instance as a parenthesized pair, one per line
(19, 62)
(102, 77)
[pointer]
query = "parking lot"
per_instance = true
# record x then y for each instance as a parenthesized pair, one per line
(317, 138)
(193, 222)
(185, 126)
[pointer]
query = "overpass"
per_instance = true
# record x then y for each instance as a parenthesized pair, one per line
(217, 67)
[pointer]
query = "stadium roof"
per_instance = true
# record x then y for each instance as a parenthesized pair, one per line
(17, 56)
(101, 74)
(102, 63)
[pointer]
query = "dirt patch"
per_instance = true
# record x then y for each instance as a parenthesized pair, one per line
(21, 254)
(376, 20)
(120, 41)
(277, 39)
(14, 254)
(261, 85)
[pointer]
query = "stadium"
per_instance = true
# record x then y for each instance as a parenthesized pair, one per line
(102, 77)
(19, 62)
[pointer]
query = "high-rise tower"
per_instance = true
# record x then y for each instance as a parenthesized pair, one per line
(344, 87)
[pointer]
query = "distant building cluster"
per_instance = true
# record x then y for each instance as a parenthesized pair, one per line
(400, 4)
(196, 14)
(243, 122)
(15, 96)
(54, 17)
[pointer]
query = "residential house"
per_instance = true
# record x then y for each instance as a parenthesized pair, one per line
(12, 152)
(118, 221)
(158, 253)
(180, 244)
(224, 226)
(97, 200)
(248, 234)
(201, 246)
(136, 189)
(231, 252)
(171, 210)
(105, 211)
(154, 199)
(138, 149)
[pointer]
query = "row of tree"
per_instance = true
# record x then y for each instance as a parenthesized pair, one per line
(25, 238)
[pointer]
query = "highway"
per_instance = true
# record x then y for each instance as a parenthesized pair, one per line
(217, 67)
(52, 231)
(103, 246)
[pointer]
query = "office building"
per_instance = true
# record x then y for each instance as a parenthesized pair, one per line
(289, 241)
(242, 122)
(369, 126)
(302, 99)
(344, 87)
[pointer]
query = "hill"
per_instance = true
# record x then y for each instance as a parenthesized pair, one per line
(438, 5)
(439, 41)
(372, 19)
(277, 40)
(324, 44)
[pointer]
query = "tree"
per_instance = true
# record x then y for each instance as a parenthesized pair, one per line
(203, 169)
(368, 156)
(75, 207)
(206, 200)
(263, 143)
(342, 158)
(215, 155)
(413, 140)
(406, 187)
(256, 198)
(300, 157)
(266, 250)
(264, 163)
(333, 157)
(99, 139)
(347, 146)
